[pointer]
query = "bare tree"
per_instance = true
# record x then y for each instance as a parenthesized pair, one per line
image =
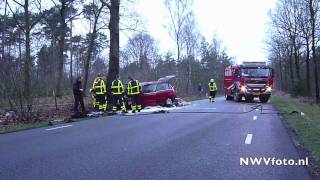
(114, 31)
(178, 10)
(305, 27)
(93, 10)
(3, 28)
(64, 5)
(314, 9)
(27, 25)
(190, 38)
(142, 50)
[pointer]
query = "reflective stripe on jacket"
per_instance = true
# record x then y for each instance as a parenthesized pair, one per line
(117, 87)
(212, 86)
(134, 87)
(99, 86)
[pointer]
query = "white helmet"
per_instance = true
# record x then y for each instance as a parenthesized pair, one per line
(211, 80)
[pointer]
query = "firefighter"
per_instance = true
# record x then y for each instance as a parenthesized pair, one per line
(78, 95)
(117, 91)
(99, 90)
(95, 104)
(134, 92)
(212, 90)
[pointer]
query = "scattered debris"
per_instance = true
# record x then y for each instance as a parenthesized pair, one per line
(56, 121)
(294, 112)
(181, 102)
(95, 114)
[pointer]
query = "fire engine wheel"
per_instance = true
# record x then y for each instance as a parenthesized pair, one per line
(228, 98)
(264, 99)
(237, 97)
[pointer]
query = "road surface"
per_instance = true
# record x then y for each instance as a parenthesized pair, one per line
(156, 146)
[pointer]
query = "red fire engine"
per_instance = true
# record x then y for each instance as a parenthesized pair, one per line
(249, 80)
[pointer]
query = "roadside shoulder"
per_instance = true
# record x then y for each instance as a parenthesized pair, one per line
(303, 125)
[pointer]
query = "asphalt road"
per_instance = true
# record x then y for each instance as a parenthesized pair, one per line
(157, 146)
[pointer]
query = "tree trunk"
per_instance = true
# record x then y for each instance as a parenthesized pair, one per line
(189, 75)
(27, 63)
(308, 68)
(89, 54)
(61, 49)
(4, 29)
(114, 41)
(290, 67)
(280, 72)
(20, 53)
(296, 61)
(313, 46)
(285, 87)
(71, 54)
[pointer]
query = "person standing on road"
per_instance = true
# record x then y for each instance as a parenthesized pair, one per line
(95, 104)
(78, 95)
(117, 91)
(200, 89)
(99, 90)
(134, 92)
(212, 90)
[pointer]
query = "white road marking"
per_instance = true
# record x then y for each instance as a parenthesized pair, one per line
(255, 117)
(203, 108)
(58, 127)
(248, 139)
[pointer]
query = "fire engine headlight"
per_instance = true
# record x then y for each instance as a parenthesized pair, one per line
(243, 89)
(269, 89)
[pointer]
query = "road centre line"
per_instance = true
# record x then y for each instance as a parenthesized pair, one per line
(204, 108)
(58, 127)
(248, 139)
(255, 118)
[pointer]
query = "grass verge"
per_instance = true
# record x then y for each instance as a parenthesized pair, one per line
(306, 126)
(19, 127)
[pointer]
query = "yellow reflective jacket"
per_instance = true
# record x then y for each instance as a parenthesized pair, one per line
(134, 87)
(99, 86)
(117, 87)
(212, 86)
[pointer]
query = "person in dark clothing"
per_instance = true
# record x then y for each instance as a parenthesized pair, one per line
(78, 95)
(200, 89)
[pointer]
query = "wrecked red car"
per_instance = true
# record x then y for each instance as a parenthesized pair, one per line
(159, 92)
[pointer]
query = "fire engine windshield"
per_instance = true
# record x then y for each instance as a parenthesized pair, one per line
(256, 72)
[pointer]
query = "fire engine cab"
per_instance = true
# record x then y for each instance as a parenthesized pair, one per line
(248, 80)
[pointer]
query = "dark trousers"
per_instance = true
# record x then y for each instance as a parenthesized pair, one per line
(78, 99)
(118, 98)
(101, 103)
(136, 105)
(212, 94)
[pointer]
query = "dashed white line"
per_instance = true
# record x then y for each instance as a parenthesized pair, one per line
(255, 117)
(248, 139)
(204, 108)
(58, 127)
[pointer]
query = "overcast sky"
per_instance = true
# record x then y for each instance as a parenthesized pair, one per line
(240, 24)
